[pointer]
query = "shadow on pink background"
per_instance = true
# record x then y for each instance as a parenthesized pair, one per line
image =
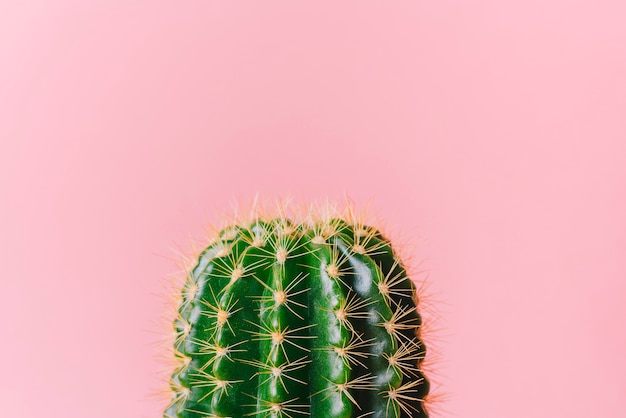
(491, 132)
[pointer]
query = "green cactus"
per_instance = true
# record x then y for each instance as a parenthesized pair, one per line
(311, 319)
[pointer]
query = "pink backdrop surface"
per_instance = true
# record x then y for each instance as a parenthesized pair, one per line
(493, 133)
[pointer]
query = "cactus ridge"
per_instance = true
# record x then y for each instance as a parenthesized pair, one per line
(281, 319)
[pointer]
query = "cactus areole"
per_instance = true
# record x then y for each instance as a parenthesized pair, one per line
(312, 319)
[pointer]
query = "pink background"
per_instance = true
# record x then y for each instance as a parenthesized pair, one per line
(492, 132)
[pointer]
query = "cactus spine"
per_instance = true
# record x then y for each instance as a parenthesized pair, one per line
(312, 319)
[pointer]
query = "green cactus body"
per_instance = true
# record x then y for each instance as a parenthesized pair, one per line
(298, 320)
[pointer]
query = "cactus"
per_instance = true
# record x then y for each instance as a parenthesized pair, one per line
(309, 319)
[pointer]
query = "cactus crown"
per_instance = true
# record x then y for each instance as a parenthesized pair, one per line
(295, 319)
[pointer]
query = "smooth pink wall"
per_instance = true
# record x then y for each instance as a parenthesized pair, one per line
(493, 132)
